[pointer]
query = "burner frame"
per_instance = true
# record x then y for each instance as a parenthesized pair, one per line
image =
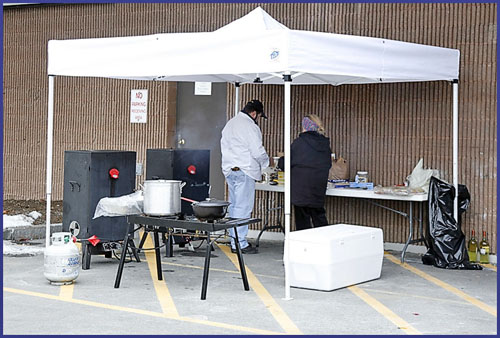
(167, 224)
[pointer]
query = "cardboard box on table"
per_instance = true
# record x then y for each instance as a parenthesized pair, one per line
(335, 256)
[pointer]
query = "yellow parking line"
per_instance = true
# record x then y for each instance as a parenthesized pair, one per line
(406, 295)
(166, 300)
(489, 266)
(278, 313)
(383, 310)
(142, 312)
(216, 269)
(66, 291)
(485, 307)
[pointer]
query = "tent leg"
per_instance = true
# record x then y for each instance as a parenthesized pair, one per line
(455, 147)
(288, 81)
(236, 98)
(50, 131)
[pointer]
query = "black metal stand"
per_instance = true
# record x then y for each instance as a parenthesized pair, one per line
(163, 225)
(169, 251)
(240, 260)
(135, 251)
(206, 269)
(157, 253)
(143, 239)
(122, 260)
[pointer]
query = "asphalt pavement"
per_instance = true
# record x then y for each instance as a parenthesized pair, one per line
(409, 298)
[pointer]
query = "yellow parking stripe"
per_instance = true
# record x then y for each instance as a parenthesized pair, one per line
(383, 310)
(66, 291)
(273, 307)
(166, 300)
(407, 295)
(489, 266)
(142, 312)
(215, 269)
(485, 307)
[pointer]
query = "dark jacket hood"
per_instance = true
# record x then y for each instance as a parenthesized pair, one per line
(316, 141)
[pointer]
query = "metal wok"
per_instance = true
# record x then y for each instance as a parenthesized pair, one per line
(208, 210)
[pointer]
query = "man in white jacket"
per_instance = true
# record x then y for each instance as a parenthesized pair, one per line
(243, 160)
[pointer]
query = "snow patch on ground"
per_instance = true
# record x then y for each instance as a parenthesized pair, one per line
(34, 214)
(20, 220)
(12, 249)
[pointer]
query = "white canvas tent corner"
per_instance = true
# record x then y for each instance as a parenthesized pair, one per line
(284, 56)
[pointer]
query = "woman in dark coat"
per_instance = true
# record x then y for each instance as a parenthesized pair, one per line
(310, 164)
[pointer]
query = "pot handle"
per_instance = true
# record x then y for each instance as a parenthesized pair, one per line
(182, 185)
(189, 200)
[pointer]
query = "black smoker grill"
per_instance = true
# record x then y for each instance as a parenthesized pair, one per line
(187, 165)
(90, 175)
(191, 166)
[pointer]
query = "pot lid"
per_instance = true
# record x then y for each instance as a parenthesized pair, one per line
(162, 181)
(212, 203)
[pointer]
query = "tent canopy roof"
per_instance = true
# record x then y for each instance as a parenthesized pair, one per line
(254, 46)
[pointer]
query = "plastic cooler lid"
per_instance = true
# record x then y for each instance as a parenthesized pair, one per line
(326, 233)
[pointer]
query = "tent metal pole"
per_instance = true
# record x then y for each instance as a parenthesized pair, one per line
(455, 147)
(288, 81)
(50, 131)
(236, 98)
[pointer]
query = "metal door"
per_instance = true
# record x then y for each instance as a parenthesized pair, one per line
(200, 119)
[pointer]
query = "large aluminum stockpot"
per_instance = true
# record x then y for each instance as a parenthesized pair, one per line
(162, 197)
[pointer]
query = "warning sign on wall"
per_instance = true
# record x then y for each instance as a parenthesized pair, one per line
(203, 88)
(138, 106)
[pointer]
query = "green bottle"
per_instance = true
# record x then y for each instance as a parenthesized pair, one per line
(484, 250)
(472, 248)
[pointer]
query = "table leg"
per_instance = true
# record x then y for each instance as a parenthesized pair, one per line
(157, 254)
(410, 235)
(164, 241)
(143, 239)
(86, 255)
(421, 225)
(171, 243)
(135, 251)
(266, 219)
(206, 269)
(122, 261)
(240, 260)
(169, 252)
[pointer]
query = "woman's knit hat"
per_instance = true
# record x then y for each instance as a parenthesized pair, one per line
(309, 125)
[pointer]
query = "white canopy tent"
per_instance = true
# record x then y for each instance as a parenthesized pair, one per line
(253, 49)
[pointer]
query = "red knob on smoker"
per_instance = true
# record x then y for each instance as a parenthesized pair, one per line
(114, 173)
(192, 169)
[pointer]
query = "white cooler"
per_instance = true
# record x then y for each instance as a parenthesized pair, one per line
(335, 256)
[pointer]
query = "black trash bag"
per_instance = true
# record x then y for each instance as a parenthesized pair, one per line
(447, 247)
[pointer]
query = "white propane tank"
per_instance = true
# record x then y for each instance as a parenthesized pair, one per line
(61, 259)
